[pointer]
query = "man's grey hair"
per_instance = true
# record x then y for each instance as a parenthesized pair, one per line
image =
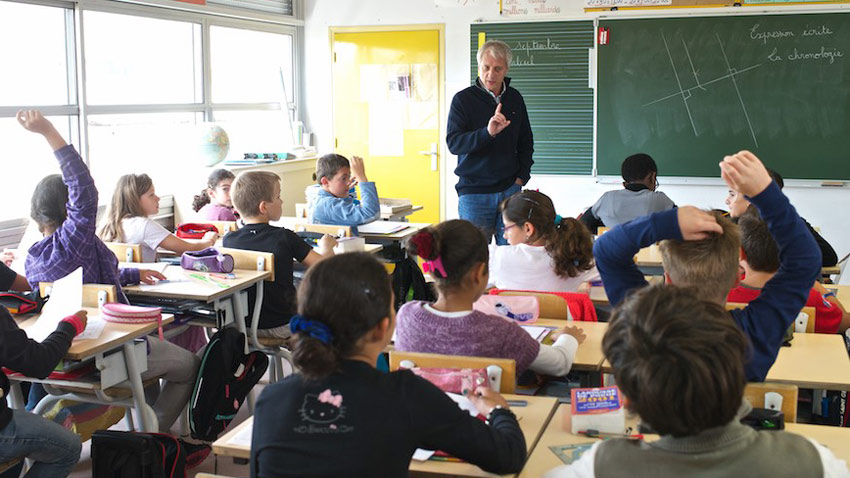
(499, 49)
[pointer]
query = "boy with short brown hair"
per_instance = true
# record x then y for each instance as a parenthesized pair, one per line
(678, 361)
(764, 320)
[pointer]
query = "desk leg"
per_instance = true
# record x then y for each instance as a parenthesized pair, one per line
(16, 397)
(240, 324)
(146, 418)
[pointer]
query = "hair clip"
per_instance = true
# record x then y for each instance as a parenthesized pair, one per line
(435, 265)
(558, 219)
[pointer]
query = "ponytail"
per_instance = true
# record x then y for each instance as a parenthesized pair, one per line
(450, 250)
(200, 200)
(340, 300)
(571, 248)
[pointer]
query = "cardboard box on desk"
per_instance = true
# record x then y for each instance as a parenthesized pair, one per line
(599, 409)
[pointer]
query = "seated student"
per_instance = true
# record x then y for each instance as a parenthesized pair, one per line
(214, 203)
(701, 249)
(738, 205)
(330, 202)
(53, 449)
(127, 220)
(547, 253)
(696, 406)
(456, 252)
(639, 198)
(256, 195)
(65, 209)
(338, 416)
(760, 260)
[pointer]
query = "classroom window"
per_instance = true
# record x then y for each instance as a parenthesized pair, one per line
(161, 145)
(256, 131)
(27, 159)
(250, 66)
(135, 60)
(35, 71)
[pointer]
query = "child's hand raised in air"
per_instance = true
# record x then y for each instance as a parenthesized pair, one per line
(33, 120)
(358, 169)
(745, 173)
(326, 244)
(485, 399)
(696, 224)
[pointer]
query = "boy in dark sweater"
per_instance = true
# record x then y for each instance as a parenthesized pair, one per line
(53, 449)
(256, 195)
(678, 361)
(701, 250)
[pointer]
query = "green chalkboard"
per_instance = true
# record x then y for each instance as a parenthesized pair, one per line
(550, 69)
(690, 90)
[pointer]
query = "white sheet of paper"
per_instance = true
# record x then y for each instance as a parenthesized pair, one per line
(94, 327)
(537, 333)
(66, 298)
(382, 227)
(243, 438)
(386, 129)
(463, 403)
(153, 266)
(422, 455)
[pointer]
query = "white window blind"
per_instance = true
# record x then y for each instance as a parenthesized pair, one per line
(283, 7)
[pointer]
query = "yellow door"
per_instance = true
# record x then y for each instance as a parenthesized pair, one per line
(386, 97)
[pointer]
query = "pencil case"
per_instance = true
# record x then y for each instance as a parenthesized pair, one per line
(207, 260)
(132, 314)
(192, 230)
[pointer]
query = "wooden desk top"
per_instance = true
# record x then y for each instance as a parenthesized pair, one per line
(542, 459)
(589, 353)
(532, 419)
(196, 289)
(113, 335)
(412, 228)
(813, 361)
(842, 292)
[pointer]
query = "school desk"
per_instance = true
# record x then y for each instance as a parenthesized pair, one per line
(223, 294)
(532, 420)
(812, 361)
(842, 293)
(118, 357)
(648, 260)
(412, 228)
(400, 215)
(557, 432)
(589, 353)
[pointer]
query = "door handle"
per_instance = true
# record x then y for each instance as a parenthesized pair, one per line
(434, 155)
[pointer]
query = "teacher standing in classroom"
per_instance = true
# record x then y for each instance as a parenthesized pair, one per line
(488, 130)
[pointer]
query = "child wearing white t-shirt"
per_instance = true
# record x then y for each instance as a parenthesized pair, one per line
(127, 220)
(547, 253)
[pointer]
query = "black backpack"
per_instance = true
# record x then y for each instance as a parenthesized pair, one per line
(118, 454)
(225, 378)
(409, 283)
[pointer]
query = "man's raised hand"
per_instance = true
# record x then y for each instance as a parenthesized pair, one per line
(498, 122)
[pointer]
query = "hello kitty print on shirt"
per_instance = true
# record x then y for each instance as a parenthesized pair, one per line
(321, 412)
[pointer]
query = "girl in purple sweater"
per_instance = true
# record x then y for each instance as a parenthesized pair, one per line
(456, 254)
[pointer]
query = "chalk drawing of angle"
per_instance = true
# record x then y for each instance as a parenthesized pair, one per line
(685, 93)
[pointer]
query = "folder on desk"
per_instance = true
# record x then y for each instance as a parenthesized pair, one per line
(382, 227)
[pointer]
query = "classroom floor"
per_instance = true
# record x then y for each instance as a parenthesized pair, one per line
(226, 466)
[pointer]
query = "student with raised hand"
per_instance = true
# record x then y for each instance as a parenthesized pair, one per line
(214, 202)
(738, 205)
(760, 261)
(701, 249)
(127, 220)
(546, 252)
(65, 209)
(696, 406)
(637, 198)
(456, 253)
(330, 202)
(338, 416)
